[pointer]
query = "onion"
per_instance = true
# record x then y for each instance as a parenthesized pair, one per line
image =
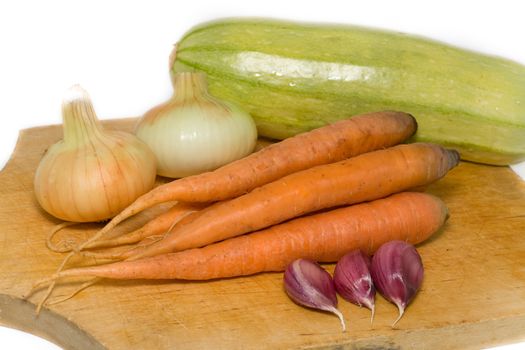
(93, 173)
(194, 132)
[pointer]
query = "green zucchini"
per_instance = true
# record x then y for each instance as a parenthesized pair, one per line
(293, 77)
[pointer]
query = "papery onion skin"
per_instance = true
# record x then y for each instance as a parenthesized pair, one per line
(308, 284)
(194, 132)
(93, 173)
(397, 272)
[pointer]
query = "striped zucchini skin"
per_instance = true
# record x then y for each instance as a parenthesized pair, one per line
(293, 77)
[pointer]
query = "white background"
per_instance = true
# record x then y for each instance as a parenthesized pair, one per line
(118, 51)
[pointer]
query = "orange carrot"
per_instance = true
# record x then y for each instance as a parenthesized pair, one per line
(114, 253)
(328, 144)
(145, 240)
(365, 177)
(159, 225)
(324, 237)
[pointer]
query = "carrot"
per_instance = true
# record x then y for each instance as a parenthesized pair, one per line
(324, 237)
(365, 177)
(159, 225)
(179, 213)
(328, 144)
(144, 236)
(120, 254)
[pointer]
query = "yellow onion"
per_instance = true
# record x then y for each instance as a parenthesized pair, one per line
(93, 173)
(194, 132)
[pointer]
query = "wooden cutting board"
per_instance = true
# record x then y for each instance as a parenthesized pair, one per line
(473, 295)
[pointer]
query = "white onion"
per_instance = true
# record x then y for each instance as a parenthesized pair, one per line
(194, 132)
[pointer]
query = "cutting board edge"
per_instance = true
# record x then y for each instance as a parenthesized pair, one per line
(21, 314)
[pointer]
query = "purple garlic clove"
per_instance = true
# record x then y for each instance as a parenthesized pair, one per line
(397, 272)
(353, 281)
(308, 284)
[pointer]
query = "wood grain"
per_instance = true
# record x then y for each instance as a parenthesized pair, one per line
(473, 295)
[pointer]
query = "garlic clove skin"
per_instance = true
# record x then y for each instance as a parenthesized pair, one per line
(194, 132)
(93, 173)
(397, 272)
(308, 284)
(352, 280)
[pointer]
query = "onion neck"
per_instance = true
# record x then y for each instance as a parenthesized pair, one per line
(190, 86)
(80, 123)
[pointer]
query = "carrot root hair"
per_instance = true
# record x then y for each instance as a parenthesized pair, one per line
(83, 286)
(121, 255)
(49, 240)
(143, 232)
